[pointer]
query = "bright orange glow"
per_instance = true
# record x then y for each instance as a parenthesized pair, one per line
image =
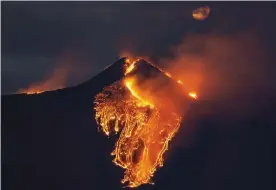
(168, 74)
(145, 127)
(130, 85)
(31, 90)
(34, 92)
(193, 95)
(128, 61)
(144, 131)
(130, 68)
(130, 65)
(180, 82)
(35, 89)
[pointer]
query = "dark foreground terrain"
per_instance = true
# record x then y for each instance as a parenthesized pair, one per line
(51, 141)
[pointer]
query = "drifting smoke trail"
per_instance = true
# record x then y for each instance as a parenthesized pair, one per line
(57, 80)
(66, 69)
(216, 65)
(229, 59)
(220, 67)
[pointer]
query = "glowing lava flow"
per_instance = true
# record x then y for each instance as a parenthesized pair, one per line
(33, 92)
(129, 83)
(193, 95)
(145, 129)
(30, 91)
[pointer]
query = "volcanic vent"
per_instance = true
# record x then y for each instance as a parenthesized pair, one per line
(144, 108)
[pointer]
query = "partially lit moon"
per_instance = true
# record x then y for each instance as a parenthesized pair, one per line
(201, 13)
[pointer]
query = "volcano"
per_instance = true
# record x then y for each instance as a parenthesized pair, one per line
(51, 141)
(146, 107)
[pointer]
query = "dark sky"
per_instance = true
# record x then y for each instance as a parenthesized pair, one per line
(85, 37)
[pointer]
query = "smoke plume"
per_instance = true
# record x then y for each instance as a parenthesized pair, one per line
(221, 67)
(68, 68)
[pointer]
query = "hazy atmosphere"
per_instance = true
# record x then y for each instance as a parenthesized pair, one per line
(66, 44)
(104, 95)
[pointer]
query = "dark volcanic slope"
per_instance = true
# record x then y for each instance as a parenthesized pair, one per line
(50, 141)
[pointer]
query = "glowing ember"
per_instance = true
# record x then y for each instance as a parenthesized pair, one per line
(30, 91)
(38, 88)
(180, 82)
(145, 128)
(168, 74)
(34, 92)
(193, 95)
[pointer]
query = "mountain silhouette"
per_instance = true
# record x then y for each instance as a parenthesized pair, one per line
(51, 141)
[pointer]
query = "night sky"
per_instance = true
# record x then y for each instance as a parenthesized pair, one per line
(83, 38)
(51, 140)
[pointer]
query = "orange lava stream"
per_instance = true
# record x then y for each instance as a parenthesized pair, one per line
(193, 95)
(130, 66)
(129, 83)
(145, 129)
(34, 92)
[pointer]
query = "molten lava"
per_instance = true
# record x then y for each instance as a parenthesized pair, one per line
(30, 91)
(130, 84)
(145, 127)
(193, 95)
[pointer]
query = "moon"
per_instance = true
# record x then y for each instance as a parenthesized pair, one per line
(201, 13)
